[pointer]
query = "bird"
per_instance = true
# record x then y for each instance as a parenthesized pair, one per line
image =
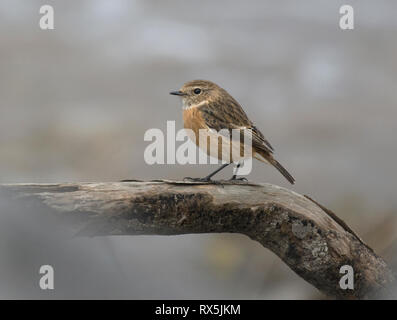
(208, 107)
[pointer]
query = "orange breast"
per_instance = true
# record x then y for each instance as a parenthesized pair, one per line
(193, 120)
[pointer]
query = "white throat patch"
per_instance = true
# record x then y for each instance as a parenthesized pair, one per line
(186, 106)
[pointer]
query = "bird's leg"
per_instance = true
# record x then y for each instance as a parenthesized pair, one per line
(235, 174)
(208, 178)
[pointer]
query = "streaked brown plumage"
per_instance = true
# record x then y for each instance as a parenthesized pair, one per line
(208, 106)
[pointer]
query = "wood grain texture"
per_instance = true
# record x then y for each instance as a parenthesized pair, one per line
(311, 240)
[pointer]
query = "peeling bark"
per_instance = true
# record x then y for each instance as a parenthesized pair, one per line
(309, 238)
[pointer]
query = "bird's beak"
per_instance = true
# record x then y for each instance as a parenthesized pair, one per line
(177, 93)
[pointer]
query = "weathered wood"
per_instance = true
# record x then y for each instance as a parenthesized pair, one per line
(310, 239)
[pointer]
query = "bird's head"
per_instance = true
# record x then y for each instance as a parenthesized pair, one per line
(197, 91)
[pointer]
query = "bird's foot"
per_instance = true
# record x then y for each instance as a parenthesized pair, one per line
(205, 180)
(234, 178)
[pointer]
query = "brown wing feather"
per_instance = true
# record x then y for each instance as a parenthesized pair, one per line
(228, 114)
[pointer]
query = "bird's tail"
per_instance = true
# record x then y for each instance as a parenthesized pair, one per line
(283, 171)
(278, 166)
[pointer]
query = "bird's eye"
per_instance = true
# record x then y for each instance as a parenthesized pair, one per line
(197, 91)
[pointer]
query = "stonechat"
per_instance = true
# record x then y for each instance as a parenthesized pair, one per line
(206, 106)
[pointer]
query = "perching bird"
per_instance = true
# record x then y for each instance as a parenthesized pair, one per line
(207, 106)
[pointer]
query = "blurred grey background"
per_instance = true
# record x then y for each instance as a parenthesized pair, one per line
(75, 103)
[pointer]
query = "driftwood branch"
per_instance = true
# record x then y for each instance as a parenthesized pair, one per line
(310, 239)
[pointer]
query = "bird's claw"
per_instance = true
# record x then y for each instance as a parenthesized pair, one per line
(205, 179)
(234, 178)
